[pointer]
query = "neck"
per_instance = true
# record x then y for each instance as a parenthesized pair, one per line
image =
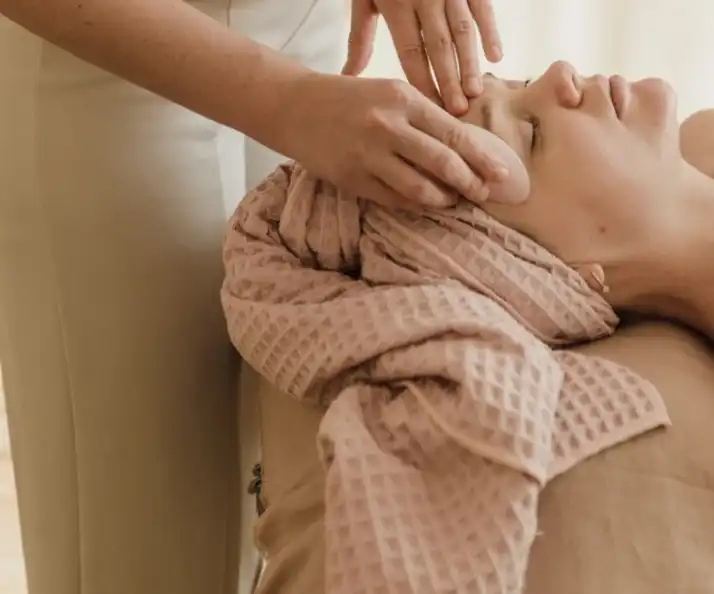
(684, 271)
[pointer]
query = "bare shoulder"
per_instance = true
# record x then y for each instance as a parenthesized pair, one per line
(696, 136)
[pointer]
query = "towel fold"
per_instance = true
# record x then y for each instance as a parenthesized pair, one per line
(434, 339)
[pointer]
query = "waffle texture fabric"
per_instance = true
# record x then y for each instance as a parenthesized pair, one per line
(434, 339)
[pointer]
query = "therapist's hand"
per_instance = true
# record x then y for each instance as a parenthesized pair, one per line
(436, 32)
(383, 140)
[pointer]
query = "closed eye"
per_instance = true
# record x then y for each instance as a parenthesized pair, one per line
(533, 121)
(535, 131)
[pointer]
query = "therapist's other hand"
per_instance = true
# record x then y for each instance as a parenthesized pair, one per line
(440, 33)
(383, 140)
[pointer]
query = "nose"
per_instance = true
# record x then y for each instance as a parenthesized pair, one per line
(565, 82)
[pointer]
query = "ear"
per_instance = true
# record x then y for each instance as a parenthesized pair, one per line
(696, 139)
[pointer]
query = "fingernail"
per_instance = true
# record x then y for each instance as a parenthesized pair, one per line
(483, 193)
(497, 52)
(474, 85)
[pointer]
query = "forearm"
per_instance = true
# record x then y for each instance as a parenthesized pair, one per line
(171, 49)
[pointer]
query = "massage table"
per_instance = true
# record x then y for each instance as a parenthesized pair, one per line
(636, 519)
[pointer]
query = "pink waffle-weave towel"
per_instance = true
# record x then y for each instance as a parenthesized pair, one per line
(433, 340)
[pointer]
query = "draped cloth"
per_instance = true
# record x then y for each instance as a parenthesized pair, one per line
(435, 340)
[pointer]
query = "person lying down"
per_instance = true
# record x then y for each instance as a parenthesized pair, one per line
(434, 338)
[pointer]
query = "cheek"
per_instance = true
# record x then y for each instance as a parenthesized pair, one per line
(588, 184)
(561, 185)
(654, 118)
(584, 182)
(588, 160)
(655, 101)
(571, 201)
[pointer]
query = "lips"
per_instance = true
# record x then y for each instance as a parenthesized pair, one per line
(618, 95)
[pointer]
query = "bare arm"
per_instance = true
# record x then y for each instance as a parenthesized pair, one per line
(393, 142)
(172, 49)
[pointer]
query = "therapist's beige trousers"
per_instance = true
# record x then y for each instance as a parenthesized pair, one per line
(119, 377)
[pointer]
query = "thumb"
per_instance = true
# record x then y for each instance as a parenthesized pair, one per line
(361, 41)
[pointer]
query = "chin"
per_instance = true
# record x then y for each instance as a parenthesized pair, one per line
(654, 113)
(656, 101)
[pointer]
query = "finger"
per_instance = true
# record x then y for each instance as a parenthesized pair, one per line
(405, 30)
(360, 44)
(485, 18)
(376, 191)
(440, 49)
(460, 138)
(463, 31)
(442, 163)
(407, 182)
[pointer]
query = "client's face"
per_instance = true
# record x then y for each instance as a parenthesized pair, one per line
(602, 155)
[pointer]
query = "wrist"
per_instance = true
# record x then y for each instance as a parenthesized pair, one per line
(310, 96)
(300, 97)
(265, 110)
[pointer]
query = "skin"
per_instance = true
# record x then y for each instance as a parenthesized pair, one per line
(399, 148)
(617, 190)
(697, 141)
(428, 35)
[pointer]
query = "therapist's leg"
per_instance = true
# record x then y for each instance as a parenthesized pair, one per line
(119, 377)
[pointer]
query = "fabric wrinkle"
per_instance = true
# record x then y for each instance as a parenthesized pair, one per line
(434, 338)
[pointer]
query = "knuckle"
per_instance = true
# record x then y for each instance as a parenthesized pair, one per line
(398, 90)
(375, 119)
(441, 42)
(463, 27)
(453, 137)
(410, 53)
